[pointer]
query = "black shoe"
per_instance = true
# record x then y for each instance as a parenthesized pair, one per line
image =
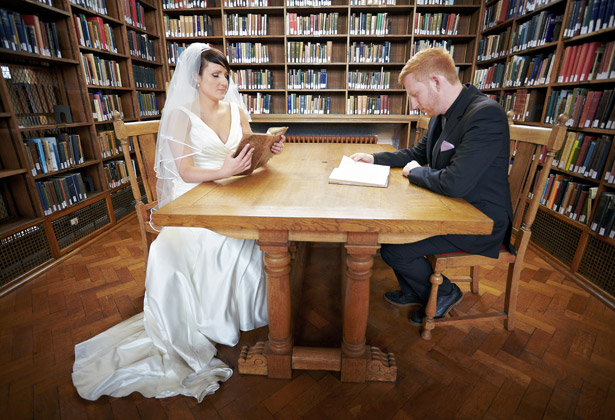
(399, 298)
(444, 305)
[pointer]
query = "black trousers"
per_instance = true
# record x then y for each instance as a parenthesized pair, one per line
(412, 268)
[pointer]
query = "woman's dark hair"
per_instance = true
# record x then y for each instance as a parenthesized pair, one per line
(215, 56)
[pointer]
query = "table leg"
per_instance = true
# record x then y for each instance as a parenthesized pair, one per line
(273, 358)
(359, 361)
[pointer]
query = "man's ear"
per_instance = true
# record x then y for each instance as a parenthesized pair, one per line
(436, 82)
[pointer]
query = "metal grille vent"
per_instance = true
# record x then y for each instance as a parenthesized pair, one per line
(555, 236)
(598, 264)
(79, 224)
(123, 202)
(23, 251)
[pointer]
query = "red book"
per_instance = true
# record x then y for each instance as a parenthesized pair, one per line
(572, 59)
(587, 64)
(593, 108)
(503, 11)
(565, 61)
(581, 156)
(579, 63)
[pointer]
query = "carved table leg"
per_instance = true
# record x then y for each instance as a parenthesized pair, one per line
(273, 358)
(359, 362)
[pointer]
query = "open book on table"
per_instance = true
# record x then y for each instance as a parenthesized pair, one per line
(350, 172)
(261, 142)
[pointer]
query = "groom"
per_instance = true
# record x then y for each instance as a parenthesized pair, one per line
(465, 153)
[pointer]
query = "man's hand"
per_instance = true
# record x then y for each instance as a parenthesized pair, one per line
(362, 157)
(410, 166)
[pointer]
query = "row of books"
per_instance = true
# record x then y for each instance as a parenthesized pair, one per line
(494, 46)
(53, 153)
(307, 79)
(609, 174)
(508, 9)
(588, 61)
(586, 16)
(98, 6)
(436, 23)
(134, 13)
(314, 24)
(108, 143)
(29, 94)
(539, 30)
(584, 154)
(246, 3)
(352, 2)
(370, 24)
(433, 43)
(148, 104)
(27, 33)
(363, 52)
(603, 221)
(59, 192)
(368, 105)
(257, 104)
(568, 197)
(369, 80)
(526, 105)
(247, 52)
(252, 24)
(530, 70)
(145, 77)
(174, 50)
(103, 106)
(187, 4)
(253, 79)
(490, 77)
(116, 173)
(585, 109)
(308, 52)
(188, 26)
(99, 71)
(308, 104)
(140, 46)
(94, 33)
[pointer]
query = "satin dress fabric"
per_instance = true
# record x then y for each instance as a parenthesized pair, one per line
(201, 288)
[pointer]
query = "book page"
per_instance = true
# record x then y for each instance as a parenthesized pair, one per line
(350, 172)
(261, 142)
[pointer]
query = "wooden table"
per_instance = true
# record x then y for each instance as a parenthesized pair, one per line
(291, 200)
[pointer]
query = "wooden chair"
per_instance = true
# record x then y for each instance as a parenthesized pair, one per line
(143, 135)
(526, 147)
(422, 124)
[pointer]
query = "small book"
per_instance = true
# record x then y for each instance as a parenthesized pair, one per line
(261, 142)
(350, 172)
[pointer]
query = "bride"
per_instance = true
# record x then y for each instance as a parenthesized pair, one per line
(201, 288)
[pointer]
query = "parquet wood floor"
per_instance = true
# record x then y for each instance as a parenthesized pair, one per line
(558, 364)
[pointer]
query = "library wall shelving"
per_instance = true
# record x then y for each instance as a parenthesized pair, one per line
(315, 63)
(542, 58)
(66, 65)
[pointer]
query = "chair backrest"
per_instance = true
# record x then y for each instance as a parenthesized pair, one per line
(532, 151)
(143, 135)
(421, 128)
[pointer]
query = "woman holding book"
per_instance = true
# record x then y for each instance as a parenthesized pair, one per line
(201, 288)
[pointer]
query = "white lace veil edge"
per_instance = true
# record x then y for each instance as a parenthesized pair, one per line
(173, 141)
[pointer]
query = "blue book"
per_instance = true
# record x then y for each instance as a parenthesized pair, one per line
(42, 197)
(588, 157)
(41, 154)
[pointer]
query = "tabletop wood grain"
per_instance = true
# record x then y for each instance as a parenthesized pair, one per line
(292, 193)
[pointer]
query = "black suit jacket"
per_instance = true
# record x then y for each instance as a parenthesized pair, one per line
(476, 168)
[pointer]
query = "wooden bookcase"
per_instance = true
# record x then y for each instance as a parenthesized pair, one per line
(33, 236)
(588, 257)
(283, 45)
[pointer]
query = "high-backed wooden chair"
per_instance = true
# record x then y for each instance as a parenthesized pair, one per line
(527, 145)
(422, 125)
(143, 135)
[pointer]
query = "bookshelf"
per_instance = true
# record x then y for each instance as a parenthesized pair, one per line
(540, 59)
(309, 62)
(70, 64)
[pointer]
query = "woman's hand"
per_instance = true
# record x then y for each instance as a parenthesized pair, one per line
(236, 165)
(276, 148)
(362, 157)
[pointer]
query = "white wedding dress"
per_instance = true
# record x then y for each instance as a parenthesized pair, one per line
(201, 288)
